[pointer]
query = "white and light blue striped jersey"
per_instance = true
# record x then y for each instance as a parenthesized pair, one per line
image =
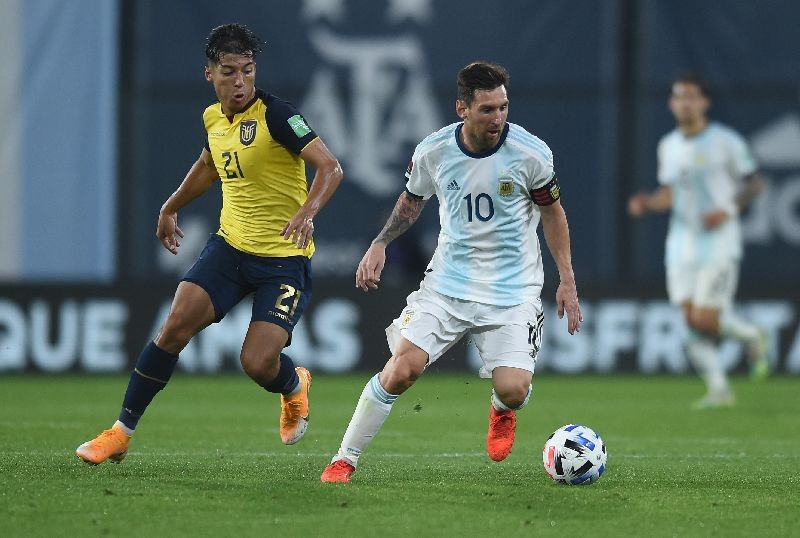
(488, 251)
(705, 173)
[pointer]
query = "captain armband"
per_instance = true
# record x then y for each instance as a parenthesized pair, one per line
(547, 194)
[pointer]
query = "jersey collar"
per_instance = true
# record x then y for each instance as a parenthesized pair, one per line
(258, 94)
(482, 154)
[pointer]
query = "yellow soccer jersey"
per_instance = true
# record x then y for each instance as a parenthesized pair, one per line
(263, 178)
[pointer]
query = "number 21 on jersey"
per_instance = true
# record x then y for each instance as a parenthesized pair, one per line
(229, 156)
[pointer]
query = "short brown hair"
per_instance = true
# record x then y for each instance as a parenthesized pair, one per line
(480, 76)
(694, 79)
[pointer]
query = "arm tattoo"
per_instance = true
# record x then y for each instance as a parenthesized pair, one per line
(405, 213)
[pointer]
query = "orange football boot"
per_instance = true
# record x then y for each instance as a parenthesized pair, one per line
(337, 472)
(500, 438)
(110, 445)
(294, 410)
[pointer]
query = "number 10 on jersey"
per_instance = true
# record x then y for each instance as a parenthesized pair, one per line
(482, 208)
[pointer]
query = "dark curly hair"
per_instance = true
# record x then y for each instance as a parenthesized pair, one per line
(231, 39)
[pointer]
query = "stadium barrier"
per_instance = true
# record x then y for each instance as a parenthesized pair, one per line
(101, 329)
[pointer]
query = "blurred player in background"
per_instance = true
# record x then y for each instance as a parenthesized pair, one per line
(707, 176)
(494, 181)
(257, 145)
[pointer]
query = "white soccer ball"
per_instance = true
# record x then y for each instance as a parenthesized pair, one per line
(574, 455)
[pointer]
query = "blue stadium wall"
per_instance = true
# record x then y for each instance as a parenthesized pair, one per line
(101, 329)
(84, 283)
(58, 146)
(374, 77)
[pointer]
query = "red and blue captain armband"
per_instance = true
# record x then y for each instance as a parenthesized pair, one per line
(547, 194)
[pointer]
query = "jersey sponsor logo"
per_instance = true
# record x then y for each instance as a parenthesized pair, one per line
(453, 186)
(279, 315)
(506, 187)
(247, 132)
(298, 125)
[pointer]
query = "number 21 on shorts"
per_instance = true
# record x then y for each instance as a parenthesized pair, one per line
(289, 292)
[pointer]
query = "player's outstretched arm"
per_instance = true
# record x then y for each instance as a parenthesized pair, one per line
(556, 233)
(405, 213)
(657, 201)
(197, 181)
(327, 177)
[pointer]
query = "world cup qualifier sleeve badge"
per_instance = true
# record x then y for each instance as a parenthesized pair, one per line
(247, 132)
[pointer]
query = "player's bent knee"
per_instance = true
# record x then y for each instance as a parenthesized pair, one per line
(175, 334)
(704, 324)
(398, 380)
(514, 401)
(515, 396)
(401, 372)
(175, 337)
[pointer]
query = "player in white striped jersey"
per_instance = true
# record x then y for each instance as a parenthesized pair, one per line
(494, 182)
(707, 175)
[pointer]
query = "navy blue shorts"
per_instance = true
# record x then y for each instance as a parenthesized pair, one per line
(281, 286)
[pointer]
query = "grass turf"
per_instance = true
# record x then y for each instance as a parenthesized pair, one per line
(207, 461)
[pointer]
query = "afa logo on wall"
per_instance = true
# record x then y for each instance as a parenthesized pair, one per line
(775, 217)
(370, 95)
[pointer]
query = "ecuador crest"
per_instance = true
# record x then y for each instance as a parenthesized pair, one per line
(247, 132)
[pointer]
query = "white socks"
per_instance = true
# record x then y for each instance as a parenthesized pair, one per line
(498, 404)
(124, 428)
(373, 407)
(704, 354)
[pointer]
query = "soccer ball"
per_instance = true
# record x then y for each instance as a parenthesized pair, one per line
(574, 455)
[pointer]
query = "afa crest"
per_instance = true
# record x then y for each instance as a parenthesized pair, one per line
(247, 132)
(505, 188)
(408, 315)
(555, 191)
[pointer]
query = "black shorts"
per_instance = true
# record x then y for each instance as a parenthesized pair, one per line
(281, 286)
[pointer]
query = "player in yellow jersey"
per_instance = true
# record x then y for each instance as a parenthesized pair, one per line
(257, 145)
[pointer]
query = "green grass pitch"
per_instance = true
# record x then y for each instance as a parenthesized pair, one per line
(207, 461)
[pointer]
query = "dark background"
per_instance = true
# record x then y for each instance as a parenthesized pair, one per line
(590, 78)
